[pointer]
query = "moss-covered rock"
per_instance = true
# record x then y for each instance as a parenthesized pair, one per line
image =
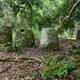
(49, 38)
(53, 46)
(76, 74)
(5, 34)
(26, 37)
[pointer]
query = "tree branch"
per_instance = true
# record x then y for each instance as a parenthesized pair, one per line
(71, 11)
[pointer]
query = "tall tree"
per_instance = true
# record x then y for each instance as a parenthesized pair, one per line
(26, 7)
(70, 14)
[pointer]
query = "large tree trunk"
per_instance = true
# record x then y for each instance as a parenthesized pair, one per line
(31, 21)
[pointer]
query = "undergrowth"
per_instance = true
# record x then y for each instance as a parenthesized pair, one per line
(9, 47)
(53, 67)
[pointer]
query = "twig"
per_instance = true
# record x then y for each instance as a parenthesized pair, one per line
(7, 68)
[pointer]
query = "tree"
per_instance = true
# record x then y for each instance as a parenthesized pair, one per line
(71, 11)
(70, 14)
(25, 7)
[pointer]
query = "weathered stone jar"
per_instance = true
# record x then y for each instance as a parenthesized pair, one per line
(5, 34)
(49, 39)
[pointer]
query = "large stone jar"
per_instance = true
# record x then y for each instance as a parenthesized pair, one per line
(5, 34)
(49, 39)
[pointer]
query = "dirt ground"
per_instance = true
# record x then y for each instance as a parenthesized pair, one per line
(12, 72)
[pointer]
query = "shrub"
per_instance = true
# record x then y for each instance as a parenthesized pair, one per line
(76, 57)
(16, 45)
(8, 47)
(43, 47)
(56, 68)
(73, 50)
(76, 74)
(32, 74)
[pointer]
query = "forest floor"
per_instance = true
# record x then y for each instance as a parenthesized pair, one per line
(8, 70)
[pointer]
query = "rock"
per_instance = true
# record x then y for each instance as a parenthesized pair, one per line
(76, 74)
(5, 34)
(26, 37)
(49, 39)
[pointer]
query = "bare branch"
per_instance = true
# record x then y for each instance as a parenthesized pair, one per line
(71, 11)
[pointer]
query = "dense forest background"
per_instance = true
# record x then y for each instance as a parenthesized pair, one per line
(37, 14)
(39, 39)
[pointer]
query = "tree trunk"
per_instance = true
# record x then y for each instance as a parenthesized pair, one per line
(39, 28)
(78, 34)
(31, 21)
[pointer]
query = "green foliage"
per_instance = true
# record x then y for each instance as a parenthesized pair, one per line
(32, 74)
(42, 47)
(57, 68)
(73, 50)
(76, 57)
(8, 47)
(22, 75)
(76, 74)
(39, 13)
(54, 59)
(16, 45)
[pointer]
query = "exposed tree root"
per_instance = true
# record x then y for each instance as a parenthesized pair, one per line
(20, 59)
(10, 60)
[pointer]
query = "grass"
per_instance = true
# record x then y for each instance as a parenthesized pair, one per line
(66, 35)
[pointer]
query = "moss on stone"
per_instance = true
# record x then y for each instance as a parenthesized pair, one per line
(5, 34)
(26, 36)
(52, 47)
